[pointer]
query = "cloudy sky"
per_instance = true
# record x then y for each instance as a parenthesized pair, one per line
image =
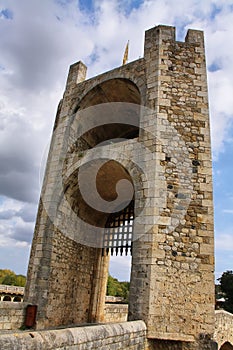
(38, 42)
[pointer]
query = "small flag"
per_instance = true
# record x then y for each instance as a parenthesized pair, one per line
(125, 58)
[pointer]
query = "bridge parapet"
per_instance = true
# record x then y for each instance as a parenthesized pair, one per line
(11, 293)
(11, 289)
(126, 335)
(223, 328)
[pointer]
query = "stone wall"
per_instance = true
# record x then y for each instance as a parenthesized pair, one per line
(173, 291)
(71, 263)
(66, 265)
(12, 315)
(203, 343)
(128, 335)
(223, 327)
(115, 312)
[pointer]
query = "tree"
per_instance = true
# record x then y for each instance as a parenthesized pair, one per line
(9, 280)
(20, 280)
(226, 285)
(218, 292)
(8, 277)
(117, 288)
(3, 273)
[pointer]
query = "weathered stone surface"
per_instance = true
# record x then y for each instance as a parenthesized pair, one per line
(12, 315)
(115, 312)
(127, 335)
(223, 328)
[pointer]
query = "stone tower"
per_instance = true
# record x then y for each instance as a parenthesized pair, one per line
(129, 169)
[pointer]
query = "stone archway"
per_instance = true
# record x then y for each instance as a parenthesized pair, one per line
(112, 90)
(17, 299)
(227, 346)
(82, 290)
(107, 94)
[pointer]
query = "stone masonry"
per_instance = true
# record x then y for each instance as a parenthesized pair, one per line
(223, 329)
(12, 315)
(127, 336)
(157, 108)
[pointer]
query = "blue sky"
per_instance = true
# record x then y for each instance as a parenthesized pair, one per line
(38, 42)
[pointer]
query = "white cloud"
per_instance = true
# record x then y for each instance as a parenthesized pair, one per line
(228, 211)
(120, 267)
(16, 223)
(224, 242)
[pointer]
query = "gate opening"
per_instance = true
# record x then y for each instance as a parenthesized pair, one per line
(118, 242)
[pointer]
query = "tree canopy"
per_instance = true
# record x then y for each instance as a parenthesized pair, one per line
(226, 287)
(117, 289)
(9, 277)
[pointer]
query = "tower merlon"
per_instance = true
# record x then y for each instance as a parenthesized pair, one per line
(77, 74)
(194, 36)
(162, 33)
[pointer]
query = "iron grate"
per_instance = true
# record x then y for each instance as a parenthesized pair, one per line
(118, 232)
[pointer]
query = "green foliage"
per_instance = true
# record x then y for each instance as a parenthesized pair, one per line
(3, 273)
(21, 280)
(117, 288)
(226, 285)
(8, 277)
(9, 280)
(218, 292)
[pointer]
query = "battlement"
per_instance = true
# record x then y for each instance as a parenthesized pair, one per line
(168, 33)
(153, 37)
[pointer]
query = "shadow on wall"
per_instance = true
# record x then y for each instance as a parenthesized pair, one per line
(12, 298)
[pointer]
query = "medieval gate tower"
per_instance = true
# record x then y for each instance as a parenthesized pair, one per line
(129, 170)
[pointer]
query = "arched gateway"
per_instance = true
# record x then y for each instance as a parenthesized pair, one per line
(129, 170)
(226, 346)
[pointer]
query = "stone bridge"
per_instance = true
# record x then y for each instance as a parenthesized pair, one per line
(11, 293)
(224, 329)
(223, 325)
(117, 313)
(12, 317)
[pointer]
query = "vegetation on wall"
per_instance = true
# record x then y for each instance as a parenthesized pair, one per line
(9, 277)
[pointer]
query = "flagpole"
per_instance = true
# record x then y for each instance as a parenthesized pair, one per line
(125, 58)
